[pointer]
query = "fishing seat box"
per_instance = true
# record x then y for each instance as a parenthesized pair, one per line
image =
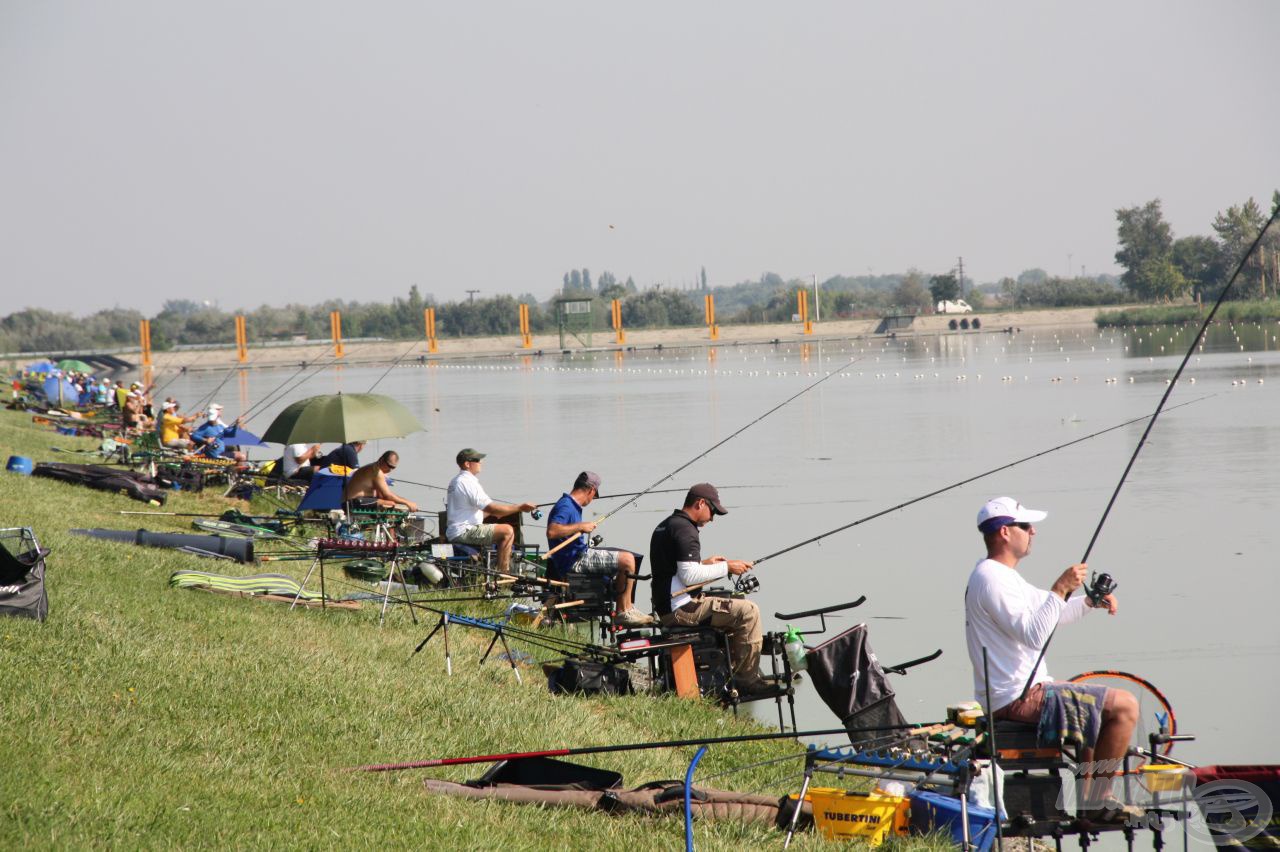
(1032, 787)
(711, 663)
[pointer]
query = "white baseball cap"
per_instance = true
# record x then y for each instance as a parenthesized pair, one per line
(1003, 511)
(214, 411)
(167, 406)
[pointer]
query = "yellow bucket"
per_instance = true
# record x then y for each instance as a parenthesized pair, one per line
(1162, 777)
(842, 814)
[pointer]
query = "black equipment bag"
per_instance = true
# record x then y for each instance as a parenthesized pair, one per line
(588, 677)
(848, 677)
(136, 485)
(22, 591)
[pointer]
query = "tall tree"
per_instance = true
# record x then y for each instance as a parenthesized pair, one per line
(704, 278)
(586, 279)
(911, 294)
(1202, 263)
(1237, 228)
(1144, 237)
(575, 279)
(944, 288)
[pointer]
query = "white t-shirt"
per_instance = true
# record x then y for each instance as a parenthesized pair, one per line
(464, 504)
(1013, 620)
(291, 453)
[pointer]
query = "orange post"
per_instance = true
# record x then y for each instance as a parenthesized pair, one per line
(335, 325)
(709, 308)
(685, 671)
(242, 341)
(620, 335)
(802, 308)
(429, 319)
(144, 340)
(525, 337)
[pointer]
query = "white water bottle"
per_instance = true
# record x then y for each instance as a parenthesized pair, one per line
(794, 648)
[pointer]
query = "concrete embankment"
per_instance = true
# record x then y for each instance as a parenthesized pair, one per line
(387, 351)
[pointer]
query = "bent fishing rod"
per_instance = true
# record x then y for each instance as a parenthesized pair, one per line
(562, 752)
(970, 479)
(708, 451)
(1142, 441)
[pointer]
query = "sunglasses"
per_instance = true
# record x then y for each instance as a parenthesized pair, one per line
(1025, 526)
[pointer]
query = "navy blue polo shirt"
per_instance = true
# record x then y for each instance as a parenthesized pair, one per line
(566, 511)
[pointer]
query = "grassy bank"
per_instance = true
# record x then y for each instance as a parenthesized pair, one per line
(1255, 311)
(142, 716)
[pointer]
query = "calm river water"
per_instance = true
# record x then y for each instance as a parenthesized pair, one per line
(1191, 540)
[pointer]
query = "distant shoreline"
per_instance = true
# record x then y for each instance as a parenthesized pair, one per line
(506, 346)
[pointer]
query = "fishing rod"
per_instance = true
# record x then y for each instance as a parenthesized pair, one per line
(393, 365)
(708, 451)
(563, 752)
(597, 497)
(272, 396)
(1142, 441)
(970, 479)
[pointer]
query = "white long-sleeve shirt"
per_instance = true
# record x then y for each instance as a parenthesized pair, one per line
(692, 573)
(1013, 620)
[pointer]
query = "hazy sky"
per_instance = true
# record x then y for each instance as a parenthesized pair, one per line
(256, 152)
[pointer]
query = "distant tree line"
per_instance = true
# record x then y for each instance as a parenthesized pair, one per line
(1158, 267)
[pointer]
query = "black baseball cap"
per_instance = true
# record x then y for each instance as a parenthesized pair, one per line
(469, 454)
(706, 491)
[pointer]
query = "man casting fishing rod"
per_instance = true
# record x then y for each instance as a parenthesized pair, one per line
(676, 551)
(1012, 619)
(467, 504)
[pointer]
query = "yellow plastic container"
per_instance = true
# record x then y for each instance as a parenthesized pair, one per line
(1163, 777)
(841, 814)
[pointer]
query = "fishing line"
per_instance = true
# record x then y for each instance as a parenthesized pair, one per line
(708, 451)
(974, 478)
(393, 366)
(276, 393)
(1173, 383)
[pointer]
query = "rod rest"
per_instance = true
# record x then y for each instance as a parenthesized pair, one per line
(820, 611)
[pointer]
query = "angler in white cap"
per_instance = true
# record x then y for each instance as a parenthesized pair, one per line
(1012, 620)
(208, 438)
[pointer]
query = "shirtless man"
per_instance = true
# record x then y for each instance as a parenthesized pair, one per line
(367, 487)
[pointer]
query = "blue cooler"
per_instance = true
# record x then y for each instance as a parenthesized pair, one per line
(19, 464)
(931, 812)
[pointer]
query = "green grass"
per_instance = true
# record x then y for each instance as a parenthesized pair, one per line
(1253, 311)
(142, 716)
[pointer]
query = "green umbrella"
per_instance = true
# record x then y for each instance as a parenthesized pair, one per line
(72, 365)
(341, 418)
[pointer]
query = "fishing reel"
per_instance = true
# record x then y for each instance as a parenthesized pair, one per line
(746, 584)
(536, 514)
(1100, 586)
(596, 540)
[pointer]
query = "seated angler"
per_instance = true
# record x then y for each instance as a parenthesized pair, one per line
(467, 504)
(1013, 620)
(208, 437)
(565, 522)
(676, 554)
(296, 463)
(347, 455)
(173, 427)
(367, 488)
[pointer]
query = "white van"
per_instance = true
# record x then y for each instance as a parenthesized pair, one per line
(959, 306)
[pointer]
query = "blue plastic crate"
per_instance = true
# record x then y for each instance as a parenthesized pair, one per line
(932, 811)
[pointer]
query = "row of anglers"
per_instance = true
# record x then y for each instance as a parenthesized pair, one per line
(1008, 620)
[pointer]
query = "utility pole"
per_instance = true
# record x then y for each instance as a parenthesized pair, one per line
(471, 295)
(960, 274)
(1069, 256)
(817, 301)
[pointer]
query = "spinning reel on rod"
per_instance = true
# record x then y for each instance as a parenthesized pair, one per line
(1100, 585)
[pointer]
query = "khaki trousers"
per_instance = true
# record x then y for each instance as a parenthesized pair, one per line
(739, 618)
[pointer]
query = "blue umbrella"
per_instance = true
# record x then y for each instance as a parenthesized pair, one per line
(41, 367)
(239, 437)
(60, 392)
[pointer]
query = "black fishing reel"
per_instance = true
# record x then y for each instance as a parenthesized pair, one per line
(596, 540)
(746, 584)
(1099, 587)
(536, 514)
